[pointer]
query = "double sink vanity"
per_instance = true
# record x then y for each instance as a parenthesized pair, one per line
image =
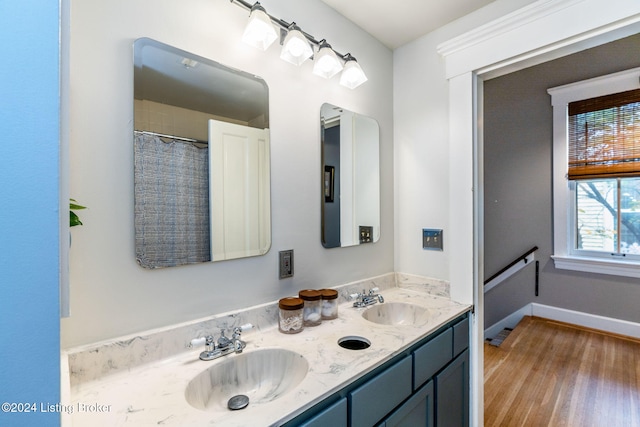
(402, 358)
(417, 350)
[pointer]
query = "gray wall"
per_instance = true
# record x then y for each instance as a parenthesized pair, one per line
(518, 206)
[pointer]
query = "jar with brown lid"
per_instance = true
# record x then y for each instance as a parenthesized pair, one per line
(290, 315)
(312, 314)
(329, 304)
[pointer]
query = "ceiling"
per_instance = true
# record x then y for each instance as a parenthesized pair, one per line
(397, 22)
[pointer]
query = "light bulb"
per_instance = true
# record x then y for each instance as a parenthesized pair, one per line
(327, 63)
(295, 48)
(352, 76)
(259, 32)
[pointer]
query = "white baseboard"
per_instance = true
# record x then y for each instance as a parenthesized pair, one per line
(587, 320)
(593, 321)
(508, 322)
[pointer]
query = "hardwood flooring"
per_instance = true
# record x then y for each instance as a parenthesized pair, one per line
(547, 373)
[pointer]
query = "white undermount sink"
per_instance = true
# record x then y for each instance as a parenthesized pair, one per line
(397, 313)
(263, 376)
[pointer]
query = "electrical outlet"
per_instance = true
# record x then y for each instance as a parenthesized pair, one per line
(286, 264)
(432, 239)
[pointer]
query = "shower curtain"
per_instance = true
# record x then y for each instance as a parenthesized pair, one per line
(171, 193)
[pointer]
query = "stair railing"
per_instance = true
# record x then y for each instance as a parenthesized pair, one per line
(512, 268)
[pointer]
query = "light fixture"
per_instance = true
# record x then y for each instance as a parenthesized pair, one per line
(296, 48)
(327, 63)
(259, 32)
(352, 76)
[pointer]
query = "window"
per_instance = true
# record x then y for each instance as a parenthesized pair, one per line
(608, 216)
(597, 174)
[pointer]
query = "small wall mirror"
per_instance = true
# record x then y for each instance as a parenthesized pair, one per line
(202, 162)
(350, 177)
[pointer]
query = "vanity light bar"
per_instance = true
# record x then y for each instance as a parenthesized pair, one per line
(296, 48)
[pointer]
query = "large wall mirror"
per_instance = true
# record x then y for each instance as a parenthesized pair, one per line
(350, 177)
(201, 154)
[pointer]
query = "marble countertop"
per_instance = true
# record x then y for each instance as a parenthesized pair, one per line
(154, 393)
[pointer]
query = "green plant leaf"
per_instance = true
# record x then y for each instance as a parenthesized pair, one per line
(74, 220)
(73, 204)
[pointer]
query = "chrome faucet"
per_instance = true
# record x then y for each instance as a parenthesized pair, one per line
(365, 299)
(224, 345)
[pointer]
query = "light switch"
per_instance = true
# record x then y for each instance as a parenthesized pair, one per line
(432, 239)
(366, 234)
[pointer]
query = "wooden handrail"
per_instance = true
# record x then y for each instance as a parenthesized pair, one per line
(512, 263)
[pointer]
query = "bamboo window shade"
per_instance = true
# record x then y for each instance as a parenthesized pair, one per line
(604, 136)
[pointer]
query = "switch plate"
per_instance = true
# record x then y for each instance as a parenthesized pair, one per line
(432, 239)
(366, 234)
(286, 264)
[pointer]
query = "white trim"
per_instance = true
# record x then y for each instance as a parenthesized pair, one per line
(622, 81)
(587, 320)
(566, 256)
(578, 318)
(511, 321)
(502, 25)
(560, 26)
(602, 266)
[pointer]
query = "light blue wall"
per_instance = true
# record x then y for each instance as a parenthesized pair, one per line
(29, 183)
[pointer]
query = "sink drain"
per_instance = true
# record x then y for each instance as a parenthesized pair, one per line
(238, 402)
(354, 343)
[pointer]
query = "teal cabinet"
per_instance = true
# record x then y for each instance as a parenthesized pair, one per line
(416, 411)
(371, 401)
(334, 416)
(427, 385)
(460, 336)
(452, 390)
(431, 357)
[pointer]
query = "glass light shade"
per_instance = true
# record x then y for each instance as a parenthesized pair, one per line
(296, 48)
(327, 63)
(352, 76)
(259, 32)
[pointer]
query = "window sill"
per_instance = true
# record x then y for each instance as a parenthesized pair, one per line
(600, 266)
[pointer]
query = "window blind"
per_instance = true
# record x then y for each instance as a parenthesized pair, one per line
(604, 136)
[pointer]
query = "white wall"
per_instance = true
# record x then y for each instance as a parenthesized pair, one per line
(110, 294)
(507, 43)
(421, 145)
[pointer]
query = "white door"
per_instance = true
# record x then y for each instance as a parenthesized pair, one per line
(239, 190)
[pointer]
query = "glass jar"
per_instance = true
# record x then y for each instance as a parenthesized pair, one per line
(312, 307)
(290, 315)
(329, 304)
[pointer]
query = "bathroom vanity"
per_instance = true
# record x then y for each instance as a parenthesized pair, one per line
(426, 385)
(415, 368)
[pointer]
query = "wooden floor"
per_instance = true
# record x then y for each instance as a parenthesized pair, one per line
(548, 373)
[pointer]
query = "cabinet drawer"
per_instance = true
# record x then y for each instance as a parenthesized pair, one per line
(334, 416)
(431, 357)
(377, 397)
(460, 337)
